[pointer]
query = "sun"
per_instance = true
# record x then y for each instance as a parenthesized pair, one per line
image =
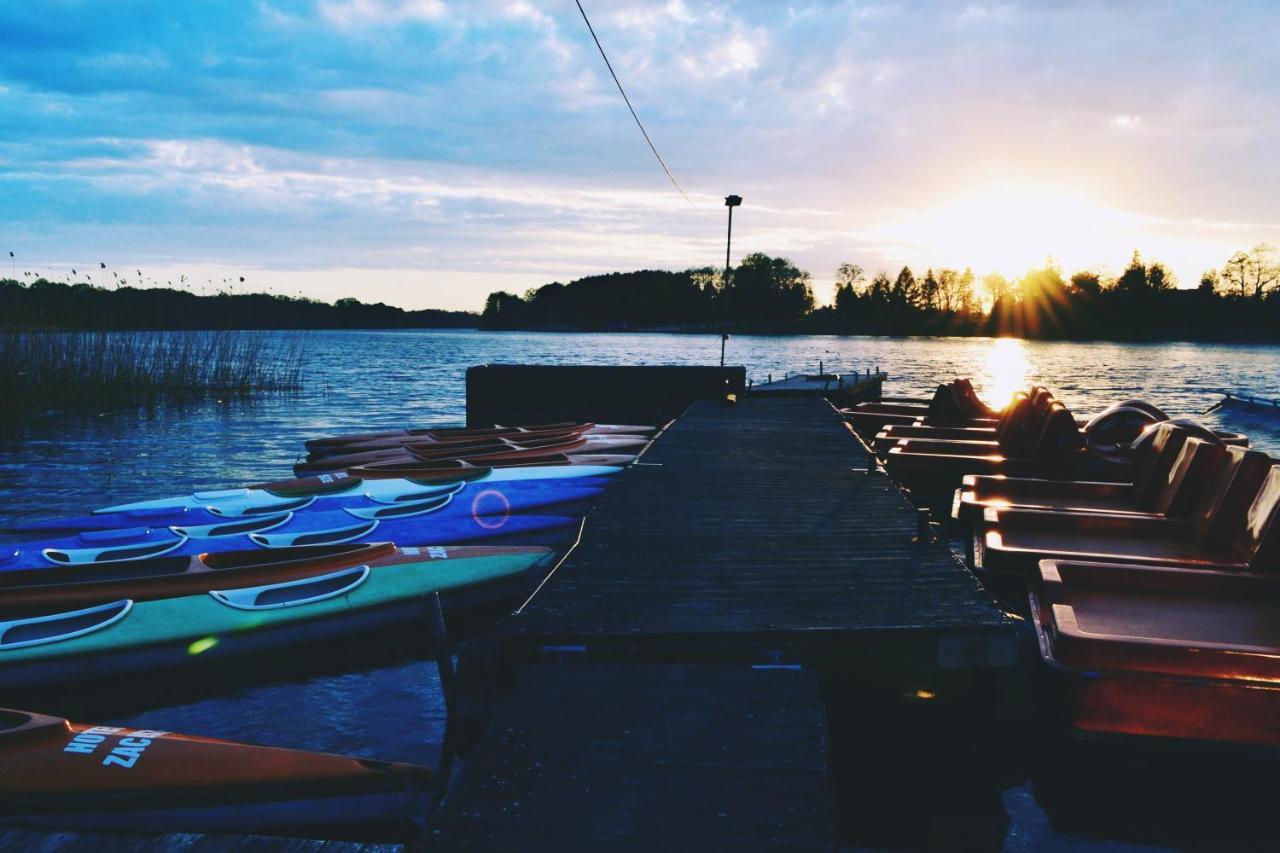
(1010, 228)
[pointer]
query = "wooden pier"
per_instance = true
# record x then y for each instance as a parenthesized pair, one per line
(723, 660)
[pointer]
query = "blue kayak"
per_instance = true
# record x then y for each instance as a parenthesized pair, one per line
(406, 525)
(272, 497)
(478, 498)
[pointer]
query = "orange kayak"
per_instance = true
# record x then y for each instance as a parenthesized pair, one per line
(57, 773)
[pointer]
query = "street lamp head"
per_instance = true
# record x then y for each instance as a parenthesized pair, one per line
(732, 200)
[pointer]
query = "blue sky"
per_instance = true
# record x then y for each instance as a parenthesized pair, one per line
(425, 152)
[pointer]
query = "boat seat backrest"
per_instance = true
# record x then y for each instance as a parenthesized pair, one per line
(1186, 480)
(1154, 461)
(1223, 508)
(1025, 427)
(969, 400)
(944, 403)
(1019, 409)
(1258, 540)
(1059, 436)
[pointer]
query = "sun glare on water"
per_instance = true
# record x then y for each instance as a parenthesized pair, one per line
(1005, 370)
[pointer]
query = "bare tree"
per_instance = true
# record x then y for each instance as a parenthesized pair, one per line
(1252, 273)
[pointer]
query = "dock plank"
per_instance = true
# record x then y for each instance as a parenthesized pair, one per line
(640, 756)
(758, 519)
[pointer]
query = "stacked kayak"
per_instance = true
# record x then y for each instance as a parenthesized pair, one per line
(490, 497)
(549, 444)
(373, 529)
(165, 616)
(481, 453)
(470, 514)
(64, 774)
(318, 447)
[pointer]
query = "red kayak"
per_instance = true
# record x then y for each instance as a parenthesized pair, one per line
(412, 468)
(428, 442)
(476, 455)
(63, 774)
(69, 587)
(462, 433)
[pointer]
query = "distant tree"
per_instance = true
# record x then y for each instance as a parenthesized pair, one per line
(1252, 273)
(500, 305)
(1134, 277)
(851, 276)
(996, 287)
(880, 289)
(955, 290)
(904, 286)
(927, 294)
(845, 300)
(1043, 285)
(1160, 278)
(849, 282)
(769, 290)
(1210, 283)
(1086, 282)
(967, 296)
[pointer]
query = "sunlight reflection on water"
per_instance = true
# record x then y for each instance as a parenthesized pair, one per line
(1005, 370)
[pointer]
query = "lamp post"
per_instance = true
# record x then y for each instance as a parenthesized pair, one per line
(730, 201)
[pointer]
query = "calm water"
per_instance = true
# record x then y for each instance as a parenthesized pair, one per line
(367, 380)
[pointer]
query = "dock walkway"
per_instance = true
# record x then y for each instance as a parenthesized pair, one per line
(749, 537)
(758, 524)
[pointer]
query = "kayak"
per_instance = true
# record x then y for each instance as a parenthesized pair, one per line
(416, 469)
(65, 587)
(475, 453)
(276, 496)
(415, 525)
(445, 442)
(482, 499)
(446, 433)
(57, 773)
(129, 636)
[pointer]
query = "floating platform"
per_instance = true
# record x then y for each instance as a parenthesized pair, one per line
(664, 675)
(841, 389)
(545, 393)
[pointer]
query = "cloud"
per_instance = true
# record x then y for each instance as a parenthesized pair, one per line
(487, 135)
(382, 13)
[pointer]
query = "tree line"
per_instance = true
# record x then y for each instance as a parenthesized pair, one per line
(43, 304)
(1241, 301)
(771, 293)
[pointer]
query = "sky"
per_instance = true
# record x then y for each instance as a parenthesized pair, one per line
(427, 152)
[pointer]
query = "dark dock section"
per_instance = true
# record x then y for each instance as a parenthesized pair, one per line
(616, 757)
(746, 592)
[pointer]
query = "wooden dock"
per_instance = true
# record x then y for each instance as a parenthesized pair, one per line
(746, 592)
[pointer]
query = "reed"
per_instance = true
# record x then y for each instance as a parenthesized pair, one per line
(44, 370)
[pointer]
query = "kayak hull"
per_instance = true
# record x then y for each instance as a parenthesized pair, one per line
(71, 775)
(125, 637)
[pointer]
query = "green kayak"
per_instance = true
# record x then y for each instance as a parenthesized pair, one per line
(126, 636)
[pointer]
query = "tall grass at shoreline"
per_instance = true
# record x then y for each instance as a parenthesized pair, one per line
(49, 370)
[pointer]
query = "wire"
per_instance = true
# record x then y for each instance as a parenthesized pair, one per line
(639, 124)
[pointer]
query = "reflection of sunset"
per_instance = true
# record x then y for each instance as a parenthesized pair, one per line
(1005, 371)
(497, 500)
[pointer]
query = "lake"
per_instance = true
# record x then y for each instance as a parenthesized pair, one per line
(359, 381)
